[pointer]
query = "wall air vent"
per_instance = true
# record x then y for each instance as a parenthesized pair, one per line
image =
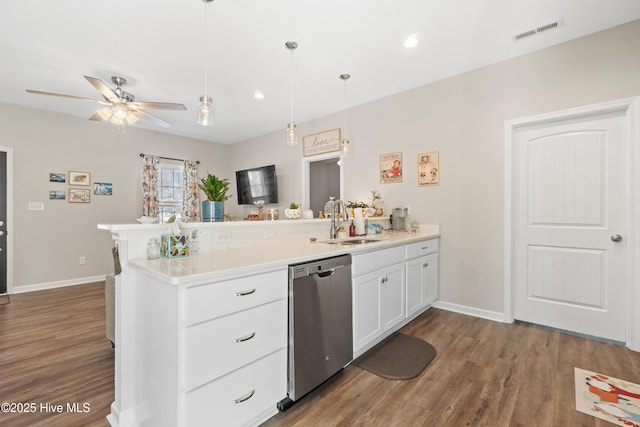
(535, 31)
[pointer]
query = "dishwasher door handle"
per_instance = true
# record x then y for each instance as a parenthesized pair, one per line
(326, 273)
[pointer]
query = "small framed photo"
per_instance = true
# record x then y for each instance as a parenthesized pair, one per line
(57, 177)
(57, 194)
(102, 189)
(390, 168)
(428, 169)
(79, 178)
(79, 195)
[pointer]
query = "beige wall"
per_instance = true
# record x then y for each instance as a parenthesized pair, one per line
(463, 118)
(48, 244)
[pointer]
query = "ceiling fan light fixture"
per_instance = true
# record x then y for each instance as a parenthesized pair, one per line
(120, 111)
(205, 112)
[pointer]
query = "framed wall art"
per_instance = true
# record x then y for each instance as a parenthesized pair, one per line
(102, 189)
(428, 169)
(57, 194)
(390, 168)
(321, 142)
(79, 178)
(79, 195)
(57, 177)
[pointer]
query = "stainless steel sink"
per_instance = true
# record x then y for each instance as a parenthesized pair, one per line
(358, 241)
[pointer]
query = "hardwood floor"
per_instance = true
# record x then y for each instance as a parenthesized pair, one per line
(485, 374)
(53, 350)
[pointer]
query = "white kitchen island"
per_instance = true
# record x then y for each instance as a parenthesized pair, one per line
(202, 340)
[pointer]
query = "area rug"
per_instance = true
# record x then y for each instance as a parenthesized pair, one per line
(399, 357)
(611, 399)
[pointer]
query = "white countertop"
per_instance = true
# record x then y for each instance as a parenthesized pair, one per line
(225, 264)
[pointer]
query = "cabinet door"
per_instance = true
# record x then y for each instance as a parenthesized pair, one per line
(416, 298)
(367, 323)
(430, 277)
(392, 291)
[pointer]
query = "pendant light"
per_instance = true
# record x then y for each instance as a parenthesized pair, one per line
(205, 113)
(344, 144)
(292, 132)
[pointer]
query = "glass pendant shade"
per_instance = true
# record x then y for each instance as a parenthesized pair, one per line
(205, 114)
(345, 147)
(292, 134)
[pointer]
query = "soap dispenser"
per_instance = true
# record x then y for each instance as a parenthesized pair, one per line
(352, 229)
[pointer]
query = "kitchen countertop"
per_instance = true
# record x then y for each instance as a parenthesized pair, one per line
(225, 264)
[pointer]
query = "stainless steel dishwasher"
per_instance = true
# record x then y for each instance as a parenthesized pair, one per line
(320, 324)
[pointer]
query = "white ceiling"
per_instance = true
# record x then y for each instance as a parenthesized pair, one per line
(159, 45)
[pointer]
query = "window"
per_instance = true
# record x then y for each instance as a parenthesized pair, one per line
(170, 189)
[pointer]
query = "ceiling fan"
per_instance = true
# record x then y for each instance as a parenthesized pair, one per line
(120, 106)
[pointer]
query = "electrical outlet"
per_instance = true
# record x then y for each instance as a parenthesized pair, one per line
(82, 260)
(222, 236)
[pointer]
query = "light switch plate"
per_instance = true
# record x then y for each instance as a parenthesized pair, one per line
(35, 206)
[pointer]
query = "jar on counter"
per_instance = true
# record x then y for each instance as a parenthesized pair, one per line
(153, 249)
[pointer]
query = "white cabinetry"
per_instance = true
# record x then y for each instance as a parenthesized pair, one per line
(235, 353)
(211, 354)
(422, 276)
(379, 301)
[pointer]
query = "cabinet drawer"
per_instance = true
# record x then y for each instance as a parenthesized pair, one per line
(219, 299)
(421, 248)
(222, 402)
(219, 346)
(363, 263)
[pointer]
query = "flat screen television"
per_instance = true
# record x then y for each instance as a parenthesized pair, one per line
(257, 184)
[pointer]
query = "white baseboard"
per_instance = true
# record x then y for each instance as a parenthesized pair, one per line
(53, 285)
(471, 311)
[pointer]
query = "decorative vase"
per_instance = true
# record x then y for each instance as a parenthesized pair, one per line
(212, 211)
(292, 213)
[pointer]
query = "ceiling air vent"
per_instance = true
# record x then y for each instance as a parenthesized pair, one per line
(541, 29)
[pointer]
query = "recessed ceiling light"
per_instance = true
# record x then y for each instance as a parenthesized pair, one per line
(411, 41)
(258, 95)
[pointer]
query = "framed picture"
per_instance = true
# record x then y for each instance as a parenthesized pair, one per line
(428, 169)
(57, 194)
(57, 177)
(102, 189)
(79, 178)
(390, 168)
(79, 195)
(321, 142)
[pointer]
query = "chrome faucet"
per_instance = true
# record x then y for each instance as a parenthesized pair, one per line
(335, 220)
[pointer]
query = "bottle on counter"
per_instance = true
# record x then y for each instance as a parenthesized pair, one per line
(352, 229)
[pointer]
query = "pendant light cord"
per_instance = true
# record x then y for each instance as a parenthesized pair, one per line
(291, 84)
(206, 48)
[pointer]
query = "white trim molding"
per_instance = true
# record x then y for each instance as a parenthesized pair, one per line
(631, 108)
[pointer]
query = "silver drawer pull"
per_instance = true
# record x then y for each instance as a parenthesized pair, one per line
(243, 293)
(245, 397)
(245, 338)
(424, 247)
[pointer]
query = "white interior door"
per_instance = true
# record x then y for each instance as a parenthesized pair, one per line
(570, 224)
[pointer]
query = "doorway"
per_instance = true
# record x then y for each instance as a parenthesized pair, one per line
(6, 234)
(571, 230)
(322, 177)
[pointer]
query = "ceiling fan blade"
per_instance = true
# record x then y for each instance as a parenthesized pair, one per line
(158, 106)
(102, 114)
(150, 118)
(104, 90)
(39, 92)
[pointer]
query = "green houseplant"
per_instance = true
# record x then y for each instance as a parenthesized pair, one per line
(216, 190)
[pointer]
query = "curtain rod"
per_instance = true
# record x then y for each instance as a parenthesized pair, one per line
(169, 158)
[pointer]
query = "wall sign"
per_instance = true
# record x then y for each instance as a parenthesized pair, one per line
(321, 142)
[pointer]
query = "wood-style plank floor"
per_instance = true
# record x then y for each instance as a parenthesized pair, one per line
(485, 374)
(53, 349)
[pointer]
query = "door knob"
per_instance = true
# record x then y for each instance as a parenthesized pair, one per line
(616, 238)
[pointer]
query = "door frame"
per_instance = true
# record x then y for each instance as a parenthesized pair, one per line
(631, 108)
(9, 219)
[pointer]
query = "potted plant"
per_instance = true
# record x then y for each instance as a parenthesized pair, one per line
(293, 212)
(216, 191)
